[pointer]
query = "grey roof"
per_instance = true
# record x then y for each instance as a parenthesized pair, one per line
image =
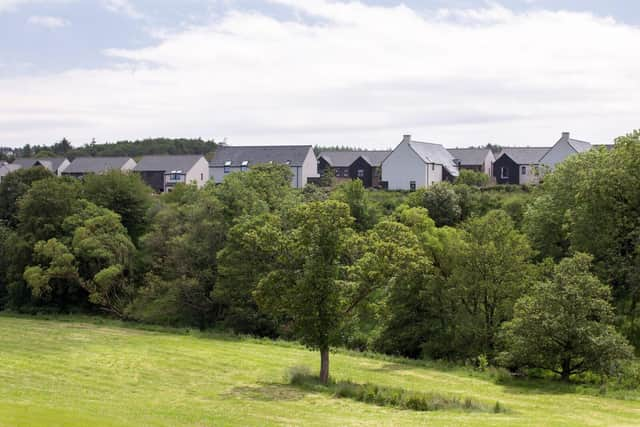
(8, 168)
(344, 159)
(469, 156)
(83, 165)
(51, 163)
(435, 153)
(169, 163)
(293, 155)
(580, 146)
(525, 155)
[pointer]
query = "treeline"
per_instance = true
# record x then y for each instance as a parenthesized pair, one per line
(133, 149)
(546, 279)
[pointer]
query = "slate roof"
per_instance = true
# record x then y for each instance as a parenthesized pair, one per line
(84, 165)
(580, 146)
(343, 159)
(167, 163)
(293, 155)
(435, 153)
(469, 156)
(525, 155)
(51, 163)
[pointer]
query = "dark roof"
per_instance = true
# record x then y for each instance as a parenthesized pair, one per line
(83, 165)
(525, 155)
(344, 159)
(469, 156)
(51, 163)
(435, 153)
(182, 163)
(293, 155)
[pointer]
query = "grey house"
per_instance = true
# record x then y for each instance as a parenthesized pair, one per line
(55, 165)
(300, 158)
(519, 165)
(163, 173)
(81, 166)
(475, 159)
(347, 165)
(565, 147)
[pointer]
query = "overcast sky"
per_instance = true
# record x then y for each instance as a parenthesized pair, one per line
(462, 72)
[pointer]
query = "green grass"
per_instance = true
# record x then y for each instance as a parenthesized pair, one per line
(77, 372)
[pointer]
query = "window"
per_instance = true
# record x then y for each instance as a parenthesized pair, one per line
(412, 185)
(523, 170)
(227, 166)
(360, 173)
(201, 177)
(433, 166)
(244, 165)
(504, 173)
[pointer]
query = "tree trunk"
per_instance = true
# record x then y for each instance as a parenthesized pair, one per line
(566, 370)
(324, 365)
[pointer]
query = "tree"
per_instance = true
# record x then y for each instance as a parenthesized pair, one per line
(304, 284)
(355, 195)
(441, 201)
(491, 270)
(125, 194)
(473, 178)
(565, 324)
(14, 186)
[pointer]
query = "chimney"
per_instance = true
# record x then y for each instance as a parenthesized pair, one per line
(406, 138)
(565, 135)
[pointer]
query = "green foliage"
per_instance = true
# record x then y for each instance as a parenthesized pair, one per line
(565, 325)
(356, 196)
(125, 194)
(442, 202)
(473, 178)
(14, 186)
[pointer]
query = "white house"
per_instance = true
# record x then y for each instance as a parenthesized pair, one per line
(56, 165)
(163, 173)
(565, 147)
(414, 164)
(6, 169)
(300, 158)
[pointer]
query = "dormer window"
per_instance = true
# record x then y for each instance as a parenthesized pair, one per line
(244, 165)
(227, 166)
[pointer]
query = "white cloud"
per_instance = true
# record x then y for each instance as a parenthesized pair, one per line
(354, 74)
(12, 5)
(125, 7)
(51, 22)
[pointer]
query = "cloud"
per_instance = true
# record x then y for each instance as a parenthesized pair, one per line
(125, 7)
(51, 22)
(12, 5)
(350, 73)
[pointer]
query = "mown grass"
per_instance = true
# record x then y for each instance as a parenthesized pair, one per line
(75, 372)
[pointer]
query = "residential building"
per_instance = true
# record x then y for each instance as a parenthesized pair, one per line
(565, 147)
(300, 158)
(413, 164)
(348, 165)
(475, 159)
(81, 166)
(55, 165)
(519, 165)
(163, 173)
(7, 168)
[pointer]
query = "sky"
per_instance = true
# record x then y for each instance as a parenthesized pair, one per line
(327, 72)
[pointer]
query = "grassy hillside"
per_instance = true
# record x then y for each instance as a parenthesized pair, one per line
(74, 373)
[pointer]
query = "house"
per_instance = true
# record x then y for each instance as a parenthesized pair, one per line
(413, 164)
(81, 166)
(565, 147)
(475, 159)
(348, 165)
(162, 173)
(300, 158)
(7, 168)
(519, 165)
(55, 165)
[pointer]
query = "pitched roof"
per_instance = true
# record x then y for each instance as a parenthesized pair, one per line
(435, 153)
(82, 165)
(344, 159)
(293, 155)
(525, 155)
(469, 156)
(8, 168)
(182, 163)
(580, 146)
(51, 163)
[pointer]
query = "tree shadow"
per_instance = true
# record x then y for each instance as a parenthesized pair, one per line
(267, 392)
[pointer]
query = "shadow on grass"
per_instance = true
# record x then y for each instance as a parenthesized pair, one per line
(267, 392)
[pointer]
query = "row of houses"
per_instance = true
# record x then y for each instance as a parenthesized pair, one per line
(410, 165)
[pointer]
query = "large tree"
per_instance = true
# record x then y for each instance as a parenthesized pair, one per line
(14, 186)
(565, 324)
(304, 285)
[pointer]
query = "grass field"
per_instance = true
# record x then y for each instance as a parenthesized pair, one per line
(79, 373)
